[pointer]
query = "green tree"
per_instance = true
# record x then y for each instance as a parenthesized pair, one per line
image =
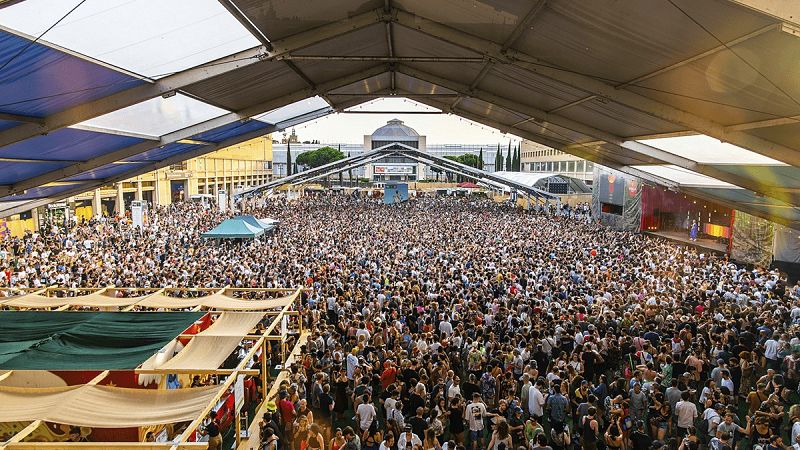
(509, 158)
(498, 159)
(468, 159)
(319, 157)
(480, 159)
(516, 160)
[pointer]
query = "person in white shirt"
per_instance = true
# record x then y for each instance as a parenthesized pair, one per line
(536, 400)
(686, 412)
(365, 413)
(771, 348)
(408, 439)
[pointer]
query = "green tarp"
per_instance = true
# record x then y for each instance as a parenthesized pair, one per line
(52, 340)
(234, 229)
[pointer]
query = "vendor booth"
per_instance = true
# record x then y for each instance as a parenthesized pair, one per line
(111, 378)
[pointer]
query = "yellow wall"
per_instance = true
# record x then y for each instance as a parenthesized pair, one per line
(16, 226)
(258, 149)
(245, 163)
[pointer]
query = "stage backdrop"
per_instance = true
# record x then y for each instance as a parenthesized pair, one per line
(752, 240)
(617, 199)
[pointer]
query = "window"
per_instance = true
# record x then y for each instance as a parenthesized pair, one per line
(570, 166)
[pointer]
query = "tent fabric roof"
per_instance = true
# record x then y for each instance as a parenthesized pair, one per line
(535, 179)
(216, 301)
(236, 228)
(265, 225)
(599, 80)
(103, 406)
(46, 340)
(211, 347)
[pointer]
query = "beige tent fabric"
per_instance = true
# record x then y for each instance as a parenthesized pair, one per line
(224, 302)
(101, 300)
(165, 301)
(163, 355)
(33, 379)
(203, 353)
(218, 301)
(36, 301)
(103, 406)
(233, 324)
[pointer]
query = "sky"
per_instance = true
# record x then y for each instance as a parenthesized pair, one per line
(439, 128)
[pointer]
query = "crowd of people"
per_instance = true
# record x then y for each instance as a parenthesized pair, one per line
(459, 323)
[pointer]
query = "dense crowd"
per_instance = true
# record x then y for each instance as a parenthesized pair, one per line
(460, 323)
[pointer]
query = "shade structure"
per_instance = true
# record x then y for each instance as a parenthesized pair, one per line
(103, 406)
(235, 324)
(202, 353)
(264, 224)
(35, 300)
(160, 300)
(218, 301)
(47, 340)
(234, 229)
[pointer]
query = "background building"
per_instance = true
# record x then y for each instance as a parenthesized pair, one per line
(232, 168)
(538, 158)
(393, 131)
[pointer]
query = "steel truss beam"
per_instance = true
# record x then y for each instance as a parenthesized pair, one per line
(187, 132)
(341, 169)
(312, 172)
(652, 154)
(35, 203)
(592, 86)
(181, 80)
(588, 155)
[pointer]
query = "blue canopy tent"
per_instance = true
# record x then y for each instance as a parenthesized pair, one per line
(235, 228)
(264, 224)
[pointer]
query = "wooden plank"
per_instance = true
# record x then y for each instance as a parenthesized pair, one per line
(22, 434)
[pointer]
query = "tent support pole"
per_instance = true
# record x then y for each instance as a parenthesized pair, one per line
(100, 377)
(264, 371)
(229, 381)
(22, 434)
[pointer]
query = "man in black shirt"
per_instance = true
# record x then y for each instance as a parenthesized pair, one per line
(639, 438)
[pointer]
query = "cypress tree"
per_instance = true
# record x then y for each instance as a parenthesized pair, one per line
(349, 174)
(498, 159)
(509, 158)
(288, 159)
(480, 159)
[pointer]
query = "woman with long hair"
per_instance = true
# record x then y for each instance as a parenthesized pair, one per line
(500, 437)
(315, 439)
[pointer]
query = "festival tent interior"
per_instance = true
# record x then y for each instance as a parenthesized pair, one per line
(118, 375)
(688, 95)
